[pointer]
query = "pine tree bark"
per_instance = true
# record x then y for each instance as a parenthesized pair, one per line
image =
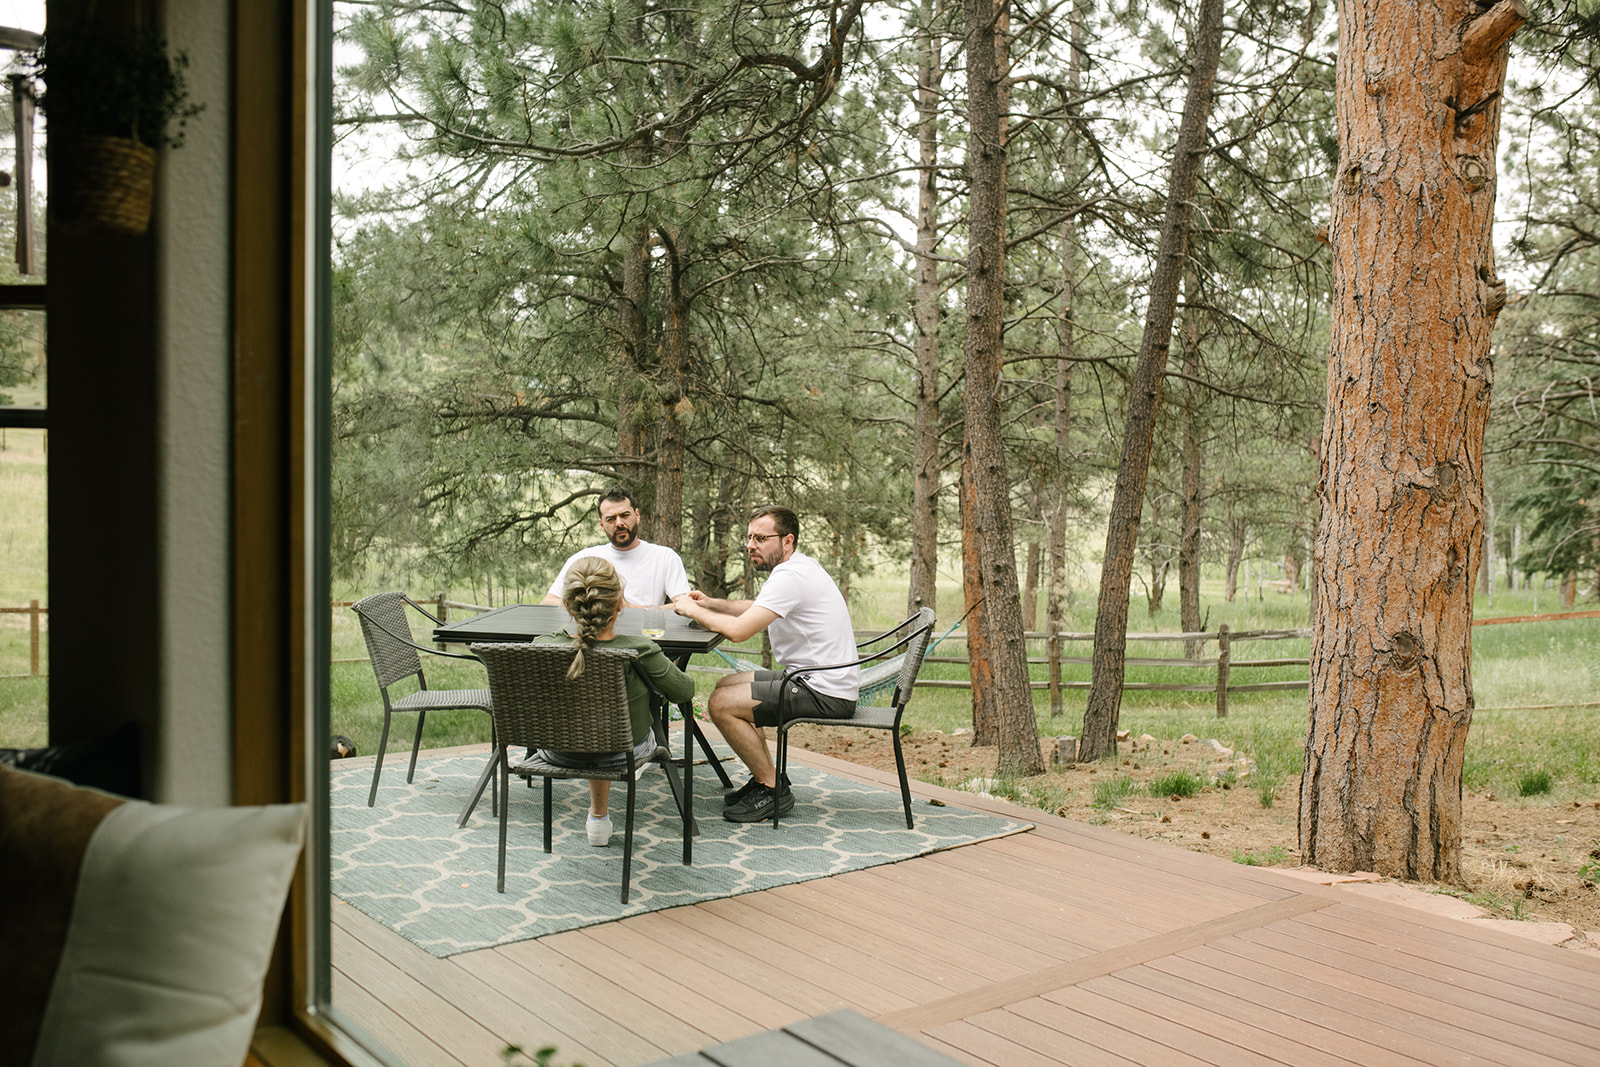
(1414, 300)
(1055, 611)
(1189, 518)
(633, 329)
(1144, 397)
(991, 571)
(925, 425)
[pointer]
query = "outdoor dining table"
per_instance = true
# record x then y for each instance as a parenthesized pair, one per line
(680, 638)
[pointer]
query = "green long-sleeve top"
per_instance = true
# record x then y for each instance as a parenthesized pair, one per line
(651, 671)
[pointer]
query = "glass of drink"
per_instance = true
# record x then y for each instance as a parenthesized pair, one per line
(655, 623)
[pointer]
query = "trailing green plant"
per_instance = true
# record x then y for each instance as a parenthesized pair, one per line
(1176, 784)
(1534, 783)
(1591, 870)
(109, 82)
(516, 1056)
(1108, 791)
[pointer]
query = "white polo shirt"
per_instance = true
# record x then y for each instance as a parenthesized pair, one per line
(813, 625)
(651, 574)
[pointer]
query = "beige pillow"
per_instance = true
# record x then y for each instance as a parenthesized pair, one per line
(171, 930)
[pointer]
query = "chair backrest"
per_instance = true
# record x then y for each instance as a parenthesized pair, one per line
(383, 623)
(537, 706)
(922, 627)
(894, 675)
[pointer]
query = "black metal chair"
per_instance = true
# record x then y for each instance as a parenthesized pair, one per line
(892, 668)
(394, 656)
(536, 706)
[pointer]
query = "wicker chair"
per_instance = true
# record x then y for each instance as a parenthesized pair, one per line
(536, 706)
(899, 659)
(395, 658)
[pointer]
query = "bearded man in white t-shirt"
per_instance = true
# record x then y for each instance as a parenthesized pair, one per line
(651, 574)
(803, 611)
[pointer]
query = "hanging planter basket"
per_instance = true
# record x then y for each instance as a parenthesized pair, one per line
(102, 184)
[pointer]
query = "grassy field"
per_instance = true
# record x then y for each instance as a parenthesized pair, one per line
(1514, 666)
(23, 577)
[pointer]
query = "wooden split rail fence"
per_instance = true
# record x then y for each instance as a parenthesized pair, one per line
(36, 616)
(1222, 663)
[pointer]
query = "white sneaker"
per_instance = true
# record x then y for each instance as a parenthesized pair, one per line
(600, 831)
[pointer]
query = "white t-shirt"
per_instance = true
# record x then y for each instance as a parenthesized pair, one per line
(813, 625)
(651, 574)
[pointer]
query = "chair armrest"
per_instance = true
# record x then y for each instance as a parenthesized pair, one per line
(406, 640)
(862, 646)
(797, 672)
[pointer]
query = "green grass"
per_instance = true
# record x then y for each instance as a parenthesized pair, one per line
(1270, 857)
(1108, 791)
(1176, 784)
(1534, 783)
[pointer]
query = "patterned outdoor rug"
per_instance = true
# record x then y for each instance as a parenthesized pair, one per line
(405, 864)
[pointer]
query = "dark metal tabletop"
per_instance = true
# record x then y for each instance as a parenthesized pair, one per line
(680, 637)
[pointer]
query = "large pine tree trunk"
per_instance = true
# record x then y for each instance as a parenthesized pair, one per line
(986, 533)
(672, 407)
(1414, 300)
(633, 328)
(925, 426)
(1144, 397)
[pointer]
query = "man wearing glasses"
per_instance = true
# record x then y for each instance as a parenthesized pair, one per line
(651, 574)
(803, 610)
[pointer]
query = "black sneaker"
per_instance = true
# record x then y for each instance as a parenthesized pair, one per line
(759, 805)
(744, 790)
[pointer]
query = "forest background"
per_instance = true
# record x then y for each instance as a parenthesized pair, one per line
(720, 252)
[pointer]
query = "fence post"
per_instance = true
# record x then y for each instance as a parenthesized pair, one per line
(1053, 658)
(1222, 671)
(444, 616)
(33, 638)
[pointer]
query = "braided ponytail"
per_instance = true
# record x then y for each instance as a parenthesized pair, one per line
(592, 594)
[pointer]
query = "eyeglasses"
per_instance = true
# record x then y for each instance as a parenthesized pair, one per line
(759, 539)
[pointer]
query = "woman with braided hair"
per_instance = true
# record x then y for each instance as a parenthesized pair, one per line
(592, 595)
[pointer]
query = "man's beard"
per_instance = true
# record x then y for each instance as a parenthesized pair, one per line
(631, 535)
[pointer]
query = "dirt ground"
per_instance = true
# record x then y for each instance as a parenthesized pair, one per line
(1521, 857)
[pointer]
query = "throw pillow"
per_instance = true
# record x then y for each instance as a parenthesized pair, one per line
(174, 917)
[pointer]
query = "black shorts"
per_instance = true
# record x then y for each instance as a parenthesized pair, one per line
(801, 704)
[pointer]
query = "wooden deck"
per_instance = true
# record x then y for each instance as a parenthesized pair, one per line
(1070, 944)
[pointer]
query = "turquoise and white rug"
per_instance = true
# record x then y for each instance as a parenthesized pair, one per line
(405, 864)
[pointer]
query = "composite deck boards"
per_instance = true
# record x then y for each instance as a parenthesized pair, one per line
(1198, 988)
(1571, 976)
(1435, 1020)
(689, 1006)
(980, 1044)
(1069, 1024)
(572, 1020)
(1153, 1008)
(1411, 956)
(603, 988)
(786, 961)
(1064, 945)
(942, 904)
(862, 978)
(1137, 905)
(1324, 1007)
(1522, 1020)
(1067, 1010)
